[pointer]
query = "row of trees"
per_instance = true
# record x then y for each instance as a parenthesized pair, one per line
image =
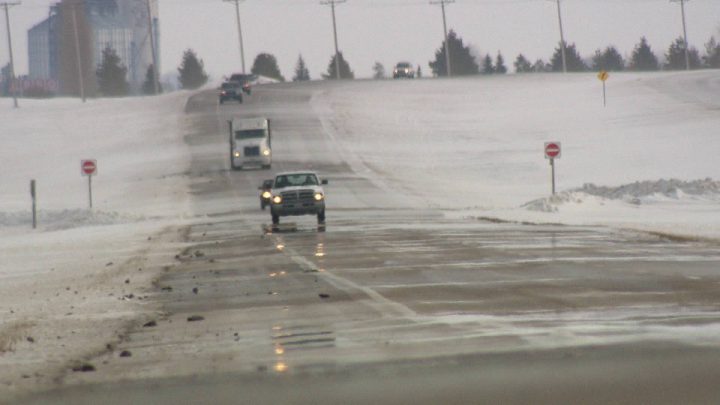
(642, 59)
(111, 73)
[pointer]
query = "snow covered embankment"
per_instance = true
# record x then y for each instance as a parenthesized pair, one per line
(683, 209)
(638, 193)
(69, 288)
(472, 147)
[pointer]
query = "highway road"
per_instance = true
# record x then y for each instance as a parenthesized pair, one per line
(397, 303)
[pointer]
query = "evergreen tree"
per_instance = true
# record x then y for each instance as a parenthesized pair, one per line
(461, 60)
(500, 67)
(522, 65)
(540, 66)
(609, 59)
(147, 87)
(488, 68)
(112, 74)
(301, 71)
(676, 56)
(643, 58)
(712, 58)
(572, 59)
(345, 72)
(192, 71)
(378, 71)
(266, 65)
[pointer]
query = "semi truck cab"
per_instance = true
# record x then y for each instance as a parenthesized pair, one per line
(250, 143)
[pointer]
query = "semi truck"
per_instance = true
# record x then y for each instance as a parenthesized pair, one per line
(250, 143)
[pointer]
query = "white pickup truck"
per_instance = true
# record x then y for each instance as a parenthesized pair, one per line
(297, 193)
(250, 143)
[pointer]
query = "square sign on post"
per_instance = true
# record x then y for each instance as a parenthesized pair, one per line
(88, 167)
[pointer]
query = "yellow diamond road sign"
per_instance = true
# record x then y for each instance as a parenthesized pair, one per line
(603, 75)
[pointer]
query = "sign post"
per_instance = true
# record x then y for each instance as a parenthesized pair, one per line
(88, 167)
(603, 76)
(552, 152)
(34, 212)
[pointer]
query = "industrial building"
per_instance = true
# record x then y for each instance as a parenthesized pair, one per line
(67, 47)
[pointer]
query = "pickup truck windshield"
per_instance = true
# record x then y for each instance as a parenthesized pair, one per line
(291, 180)
(250, 133)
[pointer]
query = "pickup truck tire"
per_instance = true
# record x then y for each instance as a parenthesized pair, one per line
(275, 219)
(321, 217)
(266, 166)
(262, 206)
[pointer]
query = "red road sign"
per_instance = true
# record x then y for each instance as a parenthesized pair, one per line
(88, 167)
(552, 150)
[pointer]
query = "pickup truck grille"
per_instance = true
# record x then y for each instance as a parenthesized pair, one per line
(252, 151)
(300, 198)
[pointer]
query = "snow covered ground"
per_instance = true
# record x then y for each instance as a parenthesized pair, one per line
(475, 146)
(470, 147)
(72, 284)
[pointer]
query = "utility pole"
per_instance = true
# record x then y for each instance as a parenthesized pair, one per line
(240, 37)
(687, 52)
(13, 85)
(562, 38)
(81, 81)
(337, 53)
(447, 45)
(151, 28)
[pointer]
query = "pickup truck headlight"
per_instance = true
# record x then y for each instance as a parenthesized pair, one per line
(277, 199)
(266, 195)
(266, 152)
(319, 196)
(236, 154)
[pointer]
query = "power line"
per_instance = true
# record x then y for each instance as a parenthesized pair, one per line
(447, 44)
(337, 53)
(13, 86)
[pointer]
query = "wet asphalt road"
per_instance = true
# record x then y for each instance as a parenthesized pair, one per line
(394, 303)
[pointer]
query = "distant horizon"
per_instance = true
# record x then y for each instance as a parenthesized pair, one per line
(401, 30)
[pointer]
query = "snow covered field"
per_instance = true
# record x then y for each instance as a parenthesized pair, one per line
(476, 145)
(469, 147)
(69, 286)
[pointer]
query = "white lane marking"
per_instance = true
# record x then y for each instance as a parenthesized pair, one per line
(378, 302)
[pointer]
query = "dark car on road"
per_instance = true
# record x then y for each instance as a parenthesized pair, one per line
(245, 80)
(403, 69)
(265, 193)
(231, 91)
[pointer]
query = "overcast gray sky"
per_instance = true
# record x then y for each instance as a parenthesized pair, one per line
(392, 30)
